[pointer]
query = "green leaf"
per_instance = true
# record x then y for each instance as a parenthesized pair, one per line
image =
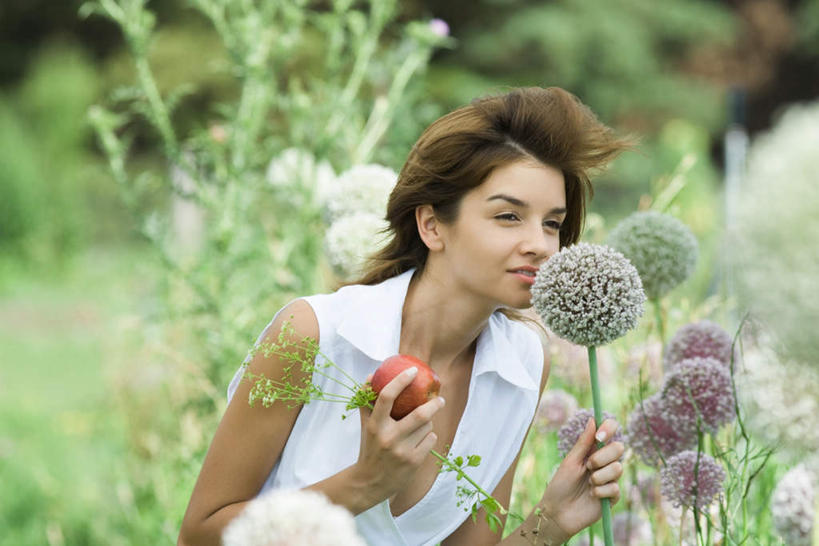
(474, 460)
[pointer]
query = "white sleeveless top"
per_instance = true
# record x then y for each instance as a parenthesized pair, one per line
(359, 327)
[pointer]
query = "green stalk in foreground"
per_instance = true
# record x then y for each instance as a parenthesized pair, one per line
(605, 504)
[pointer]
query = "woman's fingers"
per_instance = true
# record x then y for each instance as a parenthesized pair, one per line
(605, 455)
(606, 430)
(420, 415)
(383, 404)
(609, 473)
(608, 491)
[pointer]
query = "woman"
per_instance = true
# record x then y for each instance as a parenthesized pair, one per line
(488, 193)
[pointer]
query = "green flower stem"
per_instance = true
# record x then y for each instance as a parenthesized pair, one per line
(605, 504)
(658, 316)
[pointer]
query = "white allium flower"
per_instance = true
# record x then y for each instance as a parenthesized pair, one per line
(662, 248)
(297, 168)
(284, 517)
(780, 402)
(793, 505)
(773, 244)
(362, 188)
(588, 294)
(350, 239)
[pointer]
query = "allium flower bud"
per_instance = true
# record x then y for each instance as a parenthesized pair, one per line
(350, 239)
(792, 507)
(708, 382)
(686, 482)
(362, 188)
(650, 433)
(284, 517)
(555, 408)
(662, 248)
(571, 430)
(703, 339)
(588, 294)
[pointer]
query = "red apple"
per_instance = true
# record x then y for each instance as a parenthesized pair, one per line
(423, 388)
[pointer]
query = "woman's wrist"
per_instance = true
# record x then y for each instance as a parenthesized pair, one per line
(348, 489)
(549, 531)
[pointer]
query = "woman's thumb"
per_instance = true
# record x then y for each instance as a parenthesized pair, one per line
(584, 442)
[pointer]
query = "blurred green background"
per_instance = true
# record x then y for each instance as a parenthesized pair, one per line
(88, 402)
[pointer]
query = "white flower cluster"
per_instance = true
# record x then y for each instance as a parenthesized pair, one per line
(588, 294)
(662, 248)
(773, 244)
(355, 208)
(362, 188)
(350, 239)
(780, 403)
(284, 517)
(297, 170)
(792, 507)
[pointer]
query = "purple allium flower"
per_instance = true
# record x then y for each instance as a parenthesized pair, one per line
(703, 339)
(685, 481)
(663, 249)
(555, 408)
(709, 383)
(631, 529)
(648, 430)
(439, 27)
(571, 430)
(792, 507)
(588, 294)
(281, 517)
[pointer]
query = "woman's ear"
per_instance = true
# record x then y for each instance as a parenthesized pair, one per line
(429, 228)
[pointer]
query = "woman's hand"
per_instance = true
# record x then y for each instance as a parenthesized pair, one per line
(586, 475)
(392, 451)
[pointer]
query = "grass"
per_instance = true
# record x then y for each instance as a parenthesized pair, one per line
(60, 441)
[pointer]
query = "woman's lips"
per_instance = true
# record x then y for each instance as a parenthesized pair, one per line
(525, 278)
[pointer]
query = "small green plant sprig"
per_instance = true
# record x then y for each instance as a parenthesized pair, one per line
(302, 355)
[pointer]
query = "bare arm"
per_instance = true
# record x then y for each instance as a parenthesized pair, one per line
(247, 442)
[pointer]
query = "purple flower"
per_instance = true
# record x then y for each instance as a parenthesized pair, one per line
(555, 408)
(689, 481)
(708, 382)
(439, 27)
(650, 433)
(703, 339)
(569, 433)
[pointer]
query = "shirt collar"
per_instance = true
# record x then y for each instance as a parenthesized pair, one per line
(372, 323)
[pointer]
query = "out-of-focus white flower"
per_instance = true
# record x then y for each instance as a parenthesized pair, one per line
(773, 244)
(588, 294)
(362, 188)
(630, 528)
(792, 506)
(780, 402)
(662, 248)
(350, 239)
(284, 517)
(295, 168)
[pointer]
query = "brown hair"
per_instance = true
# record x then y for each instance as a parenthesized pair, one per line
(459, 150)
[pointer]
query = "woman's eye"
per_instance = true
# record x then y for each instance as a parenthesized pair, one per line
(507, 216)
(553, 224)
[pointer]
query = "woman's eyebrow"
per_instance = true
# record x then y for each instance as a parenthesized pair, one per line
(523, 204)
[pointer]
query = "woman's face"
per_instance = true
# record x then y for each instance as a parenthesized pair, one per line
(511, 221)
